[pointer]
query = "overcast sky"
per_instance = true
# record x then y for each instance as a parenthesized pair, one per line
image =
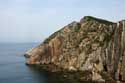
(34, 20)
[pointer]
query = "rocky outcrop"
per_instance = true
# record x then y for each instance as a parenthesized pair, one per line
(93, 45)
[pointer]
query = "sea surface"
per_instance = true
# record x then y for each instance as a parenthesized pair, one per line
(14, 70)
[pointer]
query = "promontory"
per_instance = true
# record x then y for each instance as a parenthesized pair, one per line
(93, 45)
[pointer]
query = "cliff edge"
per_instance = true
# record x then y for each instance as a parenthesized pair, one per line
(93, 45)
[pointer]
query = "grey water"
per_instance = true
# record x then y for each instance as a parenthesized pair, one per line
(14, 70)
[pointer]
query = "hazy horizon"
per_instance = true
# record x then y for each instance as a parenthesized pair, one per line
(35, 20)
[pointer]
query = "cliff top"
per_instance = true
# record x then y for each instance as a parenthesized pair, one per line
(91, 18)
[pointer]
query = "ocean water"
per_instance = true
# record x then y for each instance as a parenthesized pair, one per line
(14, 70)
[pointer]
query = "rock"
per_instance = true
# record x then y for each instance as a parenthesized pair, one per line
(101, 80)
(93, 45)
(72, 69)
(118, 82)
(96, 77)
(65, 76)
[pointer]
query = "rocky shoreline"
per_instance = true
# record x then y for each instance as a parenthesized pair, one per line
(74, 76)
(93, 47)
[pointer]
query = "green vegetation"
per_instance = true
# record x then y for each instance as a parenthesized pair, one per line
(89, 18)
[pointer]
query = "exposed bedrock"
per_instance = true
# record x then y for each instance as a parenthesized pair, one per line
(92, 44)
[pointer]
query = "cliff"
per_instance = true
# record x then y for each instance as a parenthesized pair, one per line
(93, 45)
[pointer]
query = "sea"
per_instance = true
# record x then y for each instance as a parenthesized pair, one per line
(14, 70)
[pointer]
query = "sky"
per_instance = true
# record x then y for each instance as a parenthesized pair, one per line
(35, 20)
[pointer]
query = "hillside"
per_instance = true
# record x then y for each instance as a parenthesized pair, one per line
(94, 45)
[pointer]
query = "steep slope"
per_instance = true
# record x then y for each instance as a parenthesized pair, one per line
(93, 45)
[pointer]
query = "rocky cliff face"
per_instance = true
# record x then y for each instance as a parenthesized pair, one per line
(93, 45)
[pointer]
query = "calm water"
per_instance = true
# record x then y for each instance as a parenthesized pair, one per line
(14, 70)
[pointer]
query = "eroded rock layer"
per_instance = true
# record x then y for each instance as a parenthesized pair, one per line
(92, 44)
